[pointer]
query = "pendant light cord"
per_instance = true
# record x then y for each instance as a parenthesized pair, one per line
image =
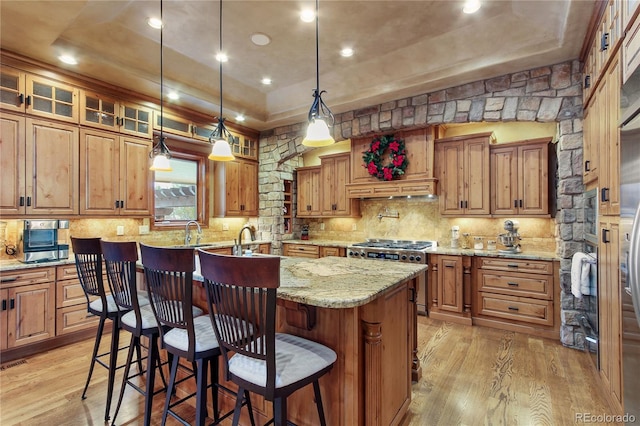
(161, 78)
(317, 52)
(220, 53)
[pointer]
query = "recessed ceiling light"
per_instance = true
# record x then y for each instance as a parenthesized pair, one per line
(239, 117)
(154, 23)
(68, 59)
(307, 15)
(471, 6)
(222, 57)
(266, 80)
(174, 96)
(260, 39)
(346, 52)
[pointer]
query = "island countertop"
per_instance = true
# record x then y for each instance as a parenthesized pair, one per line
(338, 282)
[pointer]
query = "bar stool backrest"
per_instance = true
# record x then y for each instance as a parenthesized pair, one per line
(120, 263)
(88, 258)
(241, 293)
(169, 279)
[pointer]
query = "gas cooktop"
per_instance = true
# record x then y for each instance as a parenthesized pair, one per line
(396, 250)
(396, 244)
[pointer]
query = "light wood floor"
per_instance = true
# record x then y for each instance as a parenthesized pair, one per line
(471, 376)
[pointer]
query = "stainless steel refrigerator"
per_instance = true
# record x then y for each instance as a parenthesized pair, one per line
(630, 266)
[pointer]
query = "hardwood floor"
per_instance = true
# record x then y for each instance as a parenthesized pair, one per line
(471, 376)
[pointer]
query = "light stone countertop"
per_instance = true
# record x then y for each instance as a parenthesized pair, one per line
(322, 243)
(338, 282)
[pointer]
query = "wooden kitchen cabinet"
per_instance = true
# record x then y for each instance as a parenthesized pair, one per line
(590, 135)
(332, 251)
(308, 191)
(301, 250)
(462, 169)
(39, 167)
(334, 175)
(107, 113)
(28, 307)
(236, 188)
(71, 303)
(517, 295)
(520, 178)
(450, 278)
(610, 305)
(115, 175)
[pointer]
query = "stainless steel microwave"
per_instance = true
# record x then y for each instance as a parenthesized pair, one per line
(38, 240)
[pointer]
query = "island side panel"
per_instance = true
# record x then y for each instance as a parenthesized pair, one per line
(341, 388)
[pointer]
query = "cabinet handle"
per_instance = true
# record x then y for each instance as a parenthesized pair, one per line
(29, 100)
(513, 308)
(605, 236)
(117, 204)
(461, 204)
(4, 304)
(449, 266)
(12, 303)
(520, 203)
(515, 203)
(21, 98)
(604, 42)
(587, 166)
(604, 194)
(466, 204)
(28, 201)
(512, 265)
(512, 284)
(9, 279)
(587, 81)
(21, 201)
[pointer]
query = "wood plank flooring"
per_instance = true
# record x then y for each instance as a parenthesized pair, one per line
(471, 376)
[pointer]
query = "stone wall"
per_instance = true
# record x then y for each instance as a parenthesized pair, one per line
(547, 94)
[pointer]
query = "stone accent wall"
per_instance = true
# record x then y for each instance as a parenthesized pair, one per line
(547, 94)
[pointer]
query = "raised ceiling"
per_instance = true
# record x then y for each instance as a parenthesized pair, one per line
(401, 47)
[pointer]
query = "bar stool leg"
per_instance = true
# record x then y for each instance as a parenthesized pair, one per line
(113, 360)
(96, 346)
(125, 378)
(201, 391)
(171, 390)
(316, 391)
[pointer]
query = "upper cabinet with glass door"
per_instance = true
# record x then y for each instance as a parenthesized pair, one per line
(97, 110)
(37, 95)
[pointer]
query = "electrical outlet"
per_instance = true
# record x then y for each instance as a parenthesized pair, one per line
(354, 227)
(322, 226)
(143, 229)
(225, 226)
(119, 230)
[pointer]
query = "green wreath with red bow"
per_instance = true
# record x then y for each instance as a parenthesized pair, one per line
(374, 157)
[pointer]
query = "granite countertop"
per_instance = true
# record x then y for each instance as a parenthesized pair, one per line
(529, 255)
(322, 243)
(338, 282)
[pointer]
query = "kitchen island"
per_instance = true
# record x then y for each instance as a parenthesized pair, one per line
(365, 311)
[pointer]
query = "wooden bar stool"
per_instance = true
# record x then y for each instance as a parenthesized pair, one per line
(88, 258)
(120, 262)
(241, 292)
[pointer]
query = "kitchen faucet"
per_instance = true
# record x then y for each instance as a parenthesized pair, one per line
(187, 233)
(238, 249)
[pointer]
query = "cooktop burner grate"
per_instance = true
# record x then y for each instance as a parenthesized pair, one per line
(395, 244)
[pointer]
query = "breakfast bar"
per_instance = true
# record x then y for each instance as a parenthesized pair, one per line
(365, 311)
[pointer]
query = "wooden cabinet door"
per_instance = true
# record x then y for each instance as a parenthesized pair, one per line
(231, 188)
(309, 181)
(533, 179)
(97, 110)
(51, 99)
(450, 283)
(4, 309)
(334, 176)
(31, 314)
(609, 301)
(476, 176)
(590, 126)
(12, 89)
(504, 178)
(249, 188)
(12, 164)
(135, 177)
(609, 176)
(99, 171)
(449, 167)
(52, 172)
(236, 188)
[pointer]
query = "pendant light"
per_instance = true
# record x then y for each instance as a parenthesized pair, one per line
(320, 116)
(160, 152)
(220, 137)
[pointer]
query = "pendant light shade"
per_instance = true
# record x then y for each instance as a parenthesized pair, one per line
(160, 152)
(220, 137)
(320, 116)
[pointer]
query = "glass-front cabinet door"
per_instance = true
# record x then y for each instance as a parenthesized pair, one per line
(51, 99)
(135, 120)
(98, 111)
(12, 95)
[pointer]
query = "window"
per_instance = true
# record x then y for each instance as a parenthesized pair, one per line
(179, 195)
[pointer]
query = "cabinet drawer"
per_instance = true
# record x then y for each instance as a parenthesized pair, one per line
(74, 318)
(301, 250)
(70, 293)
(517, 265)
(332, 251)
(533, 311)
(527, 285)
(66, 272)
(27, 276)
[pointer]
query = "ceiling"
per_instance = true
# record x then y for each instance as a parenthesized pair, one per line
(402, 48)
